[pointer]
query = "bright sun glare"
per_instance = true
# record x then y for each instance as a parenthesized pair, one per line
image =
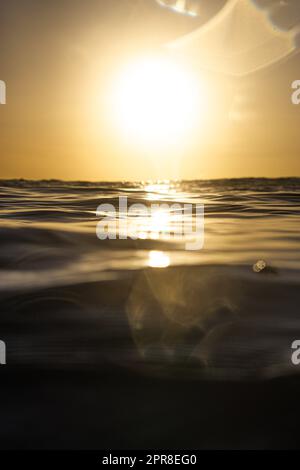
(156, 102)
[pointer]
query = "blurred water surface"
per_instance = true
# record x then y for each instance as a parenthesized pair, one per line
(69, 298)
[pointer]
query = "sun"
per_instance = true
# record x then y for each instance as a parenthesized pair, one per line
(156, 102)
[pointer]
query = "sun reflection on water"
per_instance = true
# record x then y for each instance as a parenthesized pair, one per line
(156, 190)
(158, 259)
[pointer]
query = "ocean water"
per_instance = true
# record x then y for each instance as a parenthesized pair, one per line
(228, 310)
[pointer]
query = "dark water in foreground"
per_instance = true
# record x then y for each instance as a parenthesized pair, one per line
(69, 300)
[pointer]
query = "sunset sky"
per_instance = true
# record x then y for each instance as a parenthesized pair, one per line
(65, 61)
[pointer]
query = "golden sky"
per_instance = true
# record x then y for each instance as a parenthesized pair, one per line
(65, 61)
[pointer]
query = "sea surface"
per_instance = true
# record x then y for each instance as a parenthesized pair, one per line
(228, 310)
